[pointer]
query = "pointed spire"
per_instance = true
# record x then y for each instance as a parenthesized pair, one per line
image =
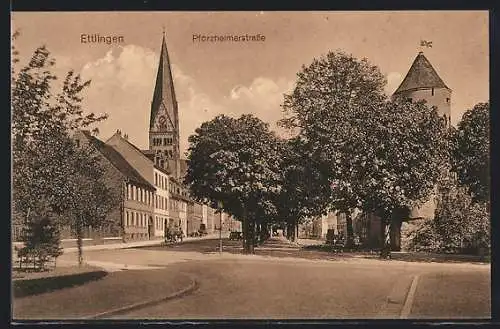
(421, 75)
(164, 92)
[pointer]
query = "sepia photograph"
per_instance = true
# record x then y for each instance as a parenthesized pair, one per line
(273, 165)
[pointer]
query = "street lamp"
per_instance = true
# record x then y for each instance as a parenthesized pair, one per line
(220, 205)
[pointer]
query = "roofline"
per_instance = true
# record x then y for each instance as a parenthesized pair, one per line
(133, 146)
(125, 177)
(420, 88)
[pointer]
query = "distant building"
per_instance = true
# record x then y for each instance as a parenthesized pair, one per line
(318, 227)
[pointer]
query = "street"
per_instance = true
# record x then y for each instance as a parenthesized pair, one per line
(235, 286)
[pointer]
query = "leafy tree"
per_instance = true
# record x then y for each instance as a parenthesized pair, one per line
(383, 156)
(89, 199)
(327, 108)
(471, 151)
(400, 160)
(46, 161)
(236, 162)
(305, 189)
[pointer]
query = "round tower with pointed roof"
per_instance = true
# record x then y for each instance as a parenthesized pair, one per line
(423, 83)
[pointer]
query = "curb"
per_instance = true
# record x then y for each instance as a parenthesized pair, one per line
(189, 289)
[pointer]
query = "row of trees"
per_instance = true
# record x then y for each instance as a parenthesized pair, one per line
(54, 182)
(353, 148)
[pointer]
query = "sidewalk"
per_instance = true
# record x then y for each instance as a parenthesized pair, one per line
(131, 244)
(134, 244)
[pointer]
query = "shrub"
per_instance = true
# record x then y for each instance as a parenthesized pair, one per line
(41, 239)
(460, 225)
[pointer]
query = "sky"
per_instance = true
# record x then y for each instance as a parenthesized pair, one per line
(234, 78)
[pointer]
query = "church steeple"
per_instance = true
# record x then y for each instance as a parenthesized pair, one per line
(164, 120)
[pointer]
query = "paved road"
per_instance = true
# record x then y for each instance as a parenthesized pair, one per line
(234, 286)
(257, 289)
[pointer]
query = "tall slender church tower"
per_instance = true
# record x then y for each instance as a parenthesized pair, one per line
(164, 119)
(423, 83)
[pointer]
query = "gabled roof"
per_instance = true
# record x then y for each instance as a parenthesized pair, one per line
(117, 160)
(421, 75)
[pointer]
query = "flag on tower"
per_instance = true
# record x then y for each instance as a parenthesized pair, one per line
(425, 43)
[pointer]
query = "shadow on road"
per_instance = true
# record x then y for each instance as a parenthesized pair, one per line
(271, 248)
(23, 288)
(405, 256)
(277, 248)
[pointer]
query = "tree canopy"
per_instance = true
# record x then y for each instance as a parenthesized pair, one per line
(382, 156)
(236, 162)
(471, 151)
(50, 172)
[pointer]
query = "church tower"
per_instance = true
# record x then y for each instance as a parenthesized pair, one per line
(164, 120)
(423, 83)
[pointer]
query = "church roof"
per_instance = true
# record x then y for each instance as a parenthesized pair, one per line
(421, 75)
(164, 87)
(118, 161)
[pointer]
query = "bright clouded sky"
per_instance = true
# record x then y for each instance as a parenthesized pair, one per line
(237, 78)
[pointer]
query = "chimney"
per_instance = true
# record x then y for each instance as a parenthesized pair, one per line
(119, 132)
(125, 136)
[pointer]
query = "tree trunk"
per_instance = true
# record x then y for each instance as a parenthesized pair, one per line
(395, 234)
(245, 234)
(248, 233)
(385, 251)
(79, 241)
(350, 231)
(251, 240)
(289, 231)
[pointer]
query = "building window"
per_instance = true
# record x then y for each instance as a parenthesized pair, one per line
(127, 219)
(447, 100)
(432, 91)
